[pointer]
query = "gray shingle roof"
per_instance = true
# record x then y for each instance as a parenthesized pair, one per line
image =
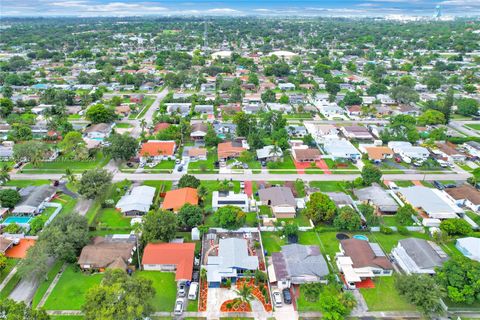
(425, 253)
(297, 260)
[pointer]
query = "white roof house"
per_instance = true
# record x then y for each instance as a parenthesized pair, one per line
(435, 204)
(469, 247)
(232, 256)
(405, 149)
(267, 152)
(283, 107)
(341, 149)
(181, 108)
(137, 201)
(221, 199)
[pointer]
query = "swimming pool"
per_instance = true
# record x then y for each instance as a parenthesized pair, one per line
(18, 220)
(360, 237)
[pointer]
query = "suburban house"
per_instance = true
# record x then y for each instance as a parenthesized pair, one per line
(280, 200)
(6, 243)
(196, 154)
(281, 107)
(405, 149)
(230, 149)
(176, 199)
(359, 260)
(198, 131)
(378, 154)
(181, 108)
(110, 252)
(268, 153)
(136, 98)
(341, 149)
(157, 150)
(469, 247)
(378, 197)
(171, 257)
(430, 201)
(473, 148)
(305, 154)
(6, 151)
(356, 133)
(415, 255)
(450, 152)
(232, 261)
(34, 199)
(99, 131)
(229, 198)
(297, 264)
(204, 108)
(137, 201)
(465, 195)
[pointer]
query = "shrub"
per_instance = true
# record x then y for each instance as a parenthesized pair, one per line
(403, 230)
(386, 230)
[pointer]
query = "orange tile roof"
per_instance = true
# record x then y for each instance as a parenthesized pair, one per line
(20, 250)
(377, 153)
(161, 126)
(175, 199)
(179, 254)
(157, 148)
(226, 149)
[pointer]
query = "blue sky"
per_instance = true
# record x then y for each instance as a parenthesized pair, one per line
(236, 7)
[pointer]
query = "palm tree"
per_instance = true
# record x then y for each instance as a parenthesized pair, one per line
(275, 151)
(245, 293)
(143, 125)
(202, 193)
(70, 175)
(4, 175)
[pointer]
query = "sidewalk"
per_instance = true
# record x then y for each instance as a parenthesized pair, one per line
(8, 278)
(51, 286)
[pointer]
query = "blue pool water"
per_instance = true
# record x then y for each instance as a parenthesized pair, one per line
(360, 237)
(17, 220)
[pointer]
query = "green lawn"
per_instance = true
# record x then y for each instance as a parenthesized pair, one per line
(272, 241)
(251, 220)
(389, 241)
(59, 166)
(11, 263)
(26, 183)
(9, 287)
(300, 219)
(114, 219)
(123, 125)
(165, 288)
(329, 186)
(384, 297)
(329, 245)
(286, 166)
(474, 126)
(42, 288)
(69, 293)
(404, 183)
(205, 166)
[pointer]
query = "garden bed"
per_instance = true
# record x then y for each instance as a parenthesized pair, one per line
(202, 300)
(256, 291)
(235, 305)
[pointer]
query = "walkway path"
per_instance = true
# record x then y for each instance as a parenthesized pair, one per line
(8, 278)
(25, 289)
(51, 286)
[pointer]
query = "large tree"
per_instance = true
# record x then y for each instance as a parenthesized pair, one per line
(122, 146)
(371, 174)
(455, 227)
(404, 214)
(159, 225)
(467, 107)
(459, 276)
(190, 216)
(188, 181)
(94, 183)
(73, 146)
(9, 198)
(119, 297)
(31, 151)
(422, 291)
(347, 219)
(431, 117)
(100, 114)
(320, 208)
(65, 237)
(229, 217)
(12, 310)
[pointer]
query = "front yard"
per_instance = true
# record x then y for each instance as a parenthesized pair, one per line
(69, 293)
(385, 297)
(165, 288)
(60, 165)
(204, 166)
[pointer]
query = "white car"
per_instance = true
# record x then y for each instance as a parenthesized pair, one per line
(178, 307)
(182, 290)
(242, 185)
(277, 298)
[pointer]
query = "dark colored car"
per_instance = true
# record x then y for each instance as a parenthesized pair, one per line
(180, 168)
(450, 185)
(287, 297)
(195, 276)
(438, 185)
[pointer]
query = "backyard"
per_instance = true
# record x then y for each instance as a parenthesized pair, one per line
(385, 297)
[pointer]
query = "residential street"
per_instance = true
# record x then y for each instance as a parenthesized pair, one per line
(459, 126)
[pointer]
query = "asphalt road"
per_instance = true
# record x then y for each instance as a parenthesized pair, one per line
(459, 126)
(119, 176)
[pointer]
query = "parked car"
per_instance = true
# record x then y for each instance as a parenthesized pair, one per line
(178, 307)
(18, 165)
(192, 291)
(195, 276)
(450, 185)
(438, 185)
(182, 290)
(177, 161)
(287, 297)
(277, 298)
(180, 168)
(242, 185)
